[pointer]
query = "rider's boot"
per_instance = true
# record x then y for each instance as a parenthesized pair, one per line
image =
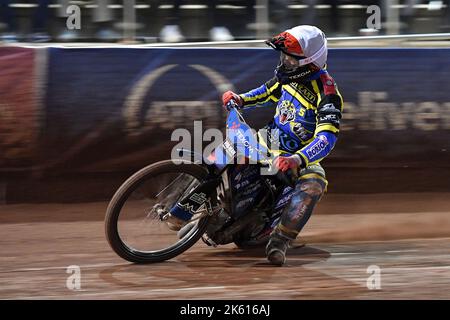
(276, 248)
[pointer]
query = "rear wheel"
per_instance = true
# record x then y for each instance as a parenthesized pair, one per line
(133, 226)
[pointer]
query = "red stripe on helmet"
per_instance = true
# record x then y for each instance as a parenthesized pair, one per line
(291, 44)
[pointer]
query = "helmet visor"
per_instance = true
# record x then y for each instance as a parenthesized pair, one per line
(289, 62)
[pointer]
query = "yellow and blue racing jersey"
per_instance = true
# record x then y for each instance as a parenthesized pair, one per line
(307, 114)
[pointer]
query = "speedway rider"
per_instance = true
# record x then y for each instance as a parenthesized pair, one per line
(308, 111)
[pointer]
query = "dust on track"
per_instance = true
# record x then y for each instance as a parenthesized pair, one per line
(411, 246)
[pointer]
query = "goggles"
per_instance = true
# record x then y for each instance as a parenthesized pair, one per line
(300, 60)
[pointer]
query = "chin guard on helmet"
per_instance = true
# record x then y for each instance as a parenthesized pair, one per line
(290, 70)
(285, 76)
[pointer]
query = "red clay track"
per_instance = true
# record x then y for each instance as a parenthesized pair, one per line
(409, 239)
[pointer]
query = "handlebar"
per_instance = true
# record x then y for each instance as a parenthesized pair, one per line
(289, 177)
(231, 105)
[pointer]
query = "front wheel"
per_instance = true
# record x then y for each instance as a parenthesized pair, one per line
(133, 226)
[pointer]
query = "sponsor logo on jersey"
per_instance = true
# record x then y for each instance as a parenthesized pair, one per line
(329, 107)
(286, 112)
(300, 131)
(329, 118)
(318, 146)
(305, 92)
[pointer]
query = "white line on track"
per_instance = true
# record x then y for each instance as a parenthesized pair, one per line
(406, 240)
(116, 293)
(400, 251)
(356, 253)
(86, 266)
(416, 268)
(346, 253)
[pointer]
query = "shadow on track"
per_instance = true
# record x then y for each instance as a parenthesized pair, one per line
(215, 267)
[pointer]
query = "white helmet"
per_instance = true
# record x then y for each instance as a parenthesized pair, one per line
(306, 46)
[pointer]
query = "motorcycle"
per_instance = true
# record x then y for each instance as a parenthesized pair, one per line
(223, 199)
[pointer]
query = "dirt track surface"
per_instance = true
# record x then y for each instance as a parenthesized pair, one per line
(409, 240)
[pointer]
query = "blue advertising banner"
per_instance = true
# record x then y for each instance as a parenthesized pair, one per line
(114, 109)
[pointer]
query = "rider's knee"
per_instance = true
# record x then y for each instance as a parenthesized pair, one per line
(312, 188)
(314, 173)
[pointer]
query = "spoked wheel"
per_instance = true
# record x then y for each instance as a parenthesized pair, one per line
(133, 224)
